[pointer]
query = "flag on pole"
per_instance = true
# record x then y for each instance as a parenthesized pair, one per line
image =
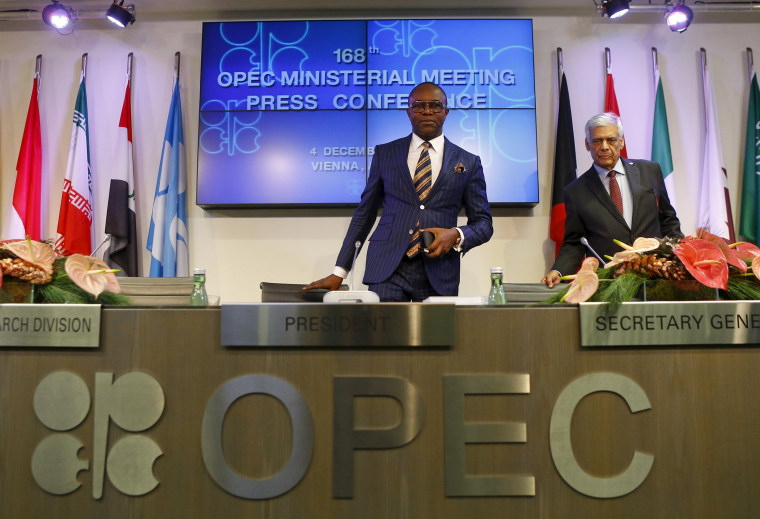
(167, 237)
(714, 209)
(75, 217)
(661, 139)
(25, 214)
(121, 220)
(611, 105)
(750, 216)
(565, 166)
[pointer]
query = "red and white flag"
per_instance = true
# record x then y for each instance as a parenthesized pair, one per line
(75, 218)
(611, 104)
(25, 214)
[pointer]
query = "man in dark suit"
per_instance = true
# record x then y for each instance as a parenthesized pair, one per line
(422, 181)
(616, 198)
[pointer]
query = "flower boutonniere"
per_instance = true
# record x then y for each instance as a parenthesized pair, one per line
(459, 168)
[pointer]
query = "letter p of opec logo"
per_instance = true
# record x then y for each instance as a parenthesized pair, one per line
(134, 402)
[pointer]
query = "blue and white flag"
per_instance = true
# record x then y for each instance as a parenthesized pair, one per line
(167, 237)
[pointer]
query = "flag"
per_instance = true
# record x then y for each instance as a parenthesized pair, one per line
(661, 140)
(121, 221)
(167, 236)
(750, 216)
(25, 214)
(75, 217)
(714, 209)
(565, 166)
(611, 105)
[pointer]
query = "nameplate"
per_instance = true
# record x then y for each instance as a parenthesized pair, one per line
(355, 325)
(49, 326)
(670, 323)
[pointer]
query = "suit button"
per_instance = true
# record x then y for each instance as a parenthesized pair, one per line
(411, 231)
(422, 207)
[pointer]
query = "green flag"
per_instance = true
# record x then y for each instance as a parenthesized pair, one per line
(750, 217)
(661, 141)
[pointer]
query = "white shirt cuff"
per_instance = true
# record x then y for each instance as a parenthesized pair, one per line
(458, 247)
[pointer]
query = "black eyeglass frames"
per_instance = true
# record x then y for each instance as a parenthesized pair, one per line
(435, 107)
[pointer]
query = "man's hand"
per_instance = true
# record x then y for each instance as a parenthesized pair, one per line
(331, 282)
(444, 241)
(551, 278)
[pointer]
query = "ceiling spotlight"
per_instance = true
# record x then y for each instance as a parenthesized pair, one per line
(120, 15)
(679, 18)
(615, 8)
(57, 16)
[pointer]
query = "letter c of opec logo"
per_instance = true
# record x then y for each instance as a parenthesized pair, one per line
(134, 402)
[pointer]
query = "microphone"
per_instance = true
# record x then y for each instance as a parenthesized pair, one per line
(351, 295)
(584, 241)
(106, 239)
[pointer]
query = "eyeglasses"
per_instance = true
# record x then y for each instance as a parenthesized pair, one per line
(435, 107)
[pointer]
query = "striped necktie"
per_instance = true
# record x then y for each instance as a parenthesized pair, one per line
(423, 181)
(617, 198)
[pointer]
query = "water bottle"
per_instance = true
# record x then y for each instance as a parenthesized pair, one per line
(496, 296)
(199, 297)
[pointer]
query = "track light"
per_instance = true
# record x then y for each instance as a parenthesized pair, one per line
(120, 15)
(57, 16)
(615, 8)
(679, 17)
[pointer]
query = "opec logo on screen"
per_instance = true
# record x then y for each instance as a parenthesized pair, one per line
(279, 98)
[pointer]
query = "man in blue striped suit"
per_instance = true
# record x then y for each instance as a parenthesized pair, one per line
(422, 181)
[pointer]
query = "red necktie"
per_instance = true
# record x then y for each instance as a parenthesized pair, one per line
(617, 198)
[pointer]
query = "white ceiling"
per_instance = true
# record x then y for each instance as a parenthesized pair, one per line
(206, 8)
(252, 9)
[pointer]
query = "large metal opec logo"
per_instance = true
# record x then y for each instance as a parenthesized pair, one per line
(135, 402)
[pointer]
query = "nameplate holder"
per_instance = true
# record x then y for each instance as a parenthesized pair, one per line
(49, 326)
(364, 325)
(670, 323)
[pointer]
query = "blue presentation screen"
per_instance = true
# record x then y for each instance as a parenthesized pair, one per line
(290, 112)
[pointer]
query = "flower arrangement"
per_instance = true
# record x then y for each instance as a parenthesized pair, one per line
(30, 271)
(693, 267)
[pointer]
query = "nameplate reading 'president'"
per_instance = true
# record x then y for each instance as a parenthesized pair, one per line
(338, 325)
(670, 323)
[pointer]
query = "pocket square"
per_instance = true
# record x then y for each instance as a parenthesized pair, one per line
(459, 168)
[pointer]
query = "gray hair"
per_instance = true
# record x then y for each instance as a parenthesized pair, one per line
(605, 119)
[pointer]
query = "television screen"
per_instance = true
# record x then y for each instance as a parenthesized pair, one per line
(290, 111)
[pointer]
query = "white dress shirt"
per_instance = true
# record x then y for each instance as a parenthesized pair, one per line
(625, 188)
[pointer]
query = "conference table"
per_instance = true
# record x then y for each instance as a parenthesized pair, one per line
(284, 410)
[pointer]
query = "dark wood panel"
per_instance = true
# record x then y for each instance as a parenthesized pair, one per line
(702, 427)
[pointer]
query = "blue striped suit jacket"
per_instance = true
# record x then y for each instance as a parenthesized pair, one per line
(390, 185)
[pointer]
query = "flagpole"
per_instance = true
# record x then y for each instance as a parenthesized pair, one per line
(38, 71)
(607, 60)
(176, 66)
(560, 67)
(703, 54)
(129, 66)
(655, 67)
(84, 66)
(750, 63)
